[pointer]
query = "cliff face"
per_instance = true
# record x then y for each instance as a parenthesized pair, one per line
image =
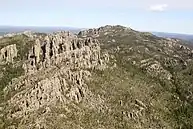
(108, 77)
(63, 47)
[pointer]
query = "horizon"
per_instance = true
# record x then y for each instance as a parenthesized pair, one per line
(76, 28)
(143, 15)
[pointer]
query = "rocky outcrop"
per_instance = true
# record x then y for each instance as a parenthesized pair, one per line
(95, 32)
(8, 53)
(63, 47)
(63, 87)
(155, 69)
(56, 72)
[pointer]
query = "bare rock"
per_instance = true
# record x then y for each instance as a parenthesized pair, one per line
(61, 48)
(55, 73)
(8, 53)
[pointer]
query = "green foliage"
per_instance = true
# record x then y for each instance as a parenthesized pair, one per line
(175, 95)
(9, 72)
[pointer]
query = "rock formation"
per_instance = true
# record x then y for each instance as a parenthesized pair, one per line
(107, 77)
(63, 47)
(56, 70)
(95, 32)
(8, 53)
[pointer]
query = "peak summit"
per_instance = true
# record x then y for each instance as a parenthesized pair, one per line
(108, 28)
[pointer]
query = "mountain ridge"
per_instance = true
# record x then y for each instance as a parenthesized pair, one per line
(107, 77)
(46, 29)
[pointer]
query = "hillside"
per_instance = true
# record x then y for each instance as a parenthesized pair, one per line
(110, 77)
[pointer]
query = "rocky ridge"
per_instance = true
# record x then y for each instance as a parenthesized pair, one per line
(108, 77)
(56, 69)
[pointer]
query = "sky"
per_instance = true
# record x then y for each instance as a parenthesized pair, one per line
(145, 15)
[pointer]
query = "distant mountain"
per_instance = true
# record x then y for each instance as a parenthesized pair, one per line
(12, 29)
(2, 33)
(174, 35)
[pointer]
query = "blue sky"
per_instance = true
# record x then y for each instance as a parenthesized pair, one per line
(145, 15)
